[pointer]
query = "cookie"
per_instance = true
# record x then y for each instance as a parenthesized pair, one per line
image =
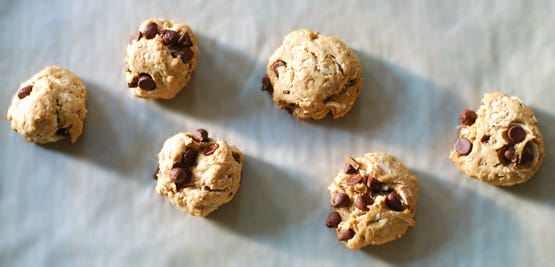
(160, 59)
(198, 174)
(499, 144)
(311, 75)
(373, 199)
(49, 107)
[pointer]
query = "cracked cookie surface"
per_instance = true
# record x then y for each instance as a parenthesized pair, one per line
(160, 59)
(196, 173)
(311, 75)
(373, 199)
(50, 106)
(501, 143)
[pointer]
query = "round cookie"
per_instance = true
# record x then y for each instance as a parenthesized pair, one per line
(49, 107)
(311, 74)
(160, 59)
(196, 173)
(374, 200)
(499, 144)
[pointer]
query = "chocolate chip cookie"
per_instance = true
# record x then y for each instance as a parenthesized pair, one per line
(50, 106)
(500, 143)
(196, 173)
(160, 60)
(373, 199)
(311, 75)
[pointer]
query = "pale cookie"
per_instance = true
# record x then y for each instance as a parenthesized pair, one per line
(49, 107)
(160, 59)
(501, 143)
(311, 74)
(198, 174)
(374, 200)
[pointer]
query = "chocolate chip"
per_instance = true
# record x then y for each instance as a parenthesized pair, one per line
(25, 91)
(64, 132)
(468, 117)
(180, 175)
(351, 166)
(200, 135)
(267, 85)
(393, 201)
(155, 174)
(135, 37)
(362, 201)
(374, 184)
(170, 37)
(276, 65)
(146, 82)
(189, 157)
(354, 179)
(211, 149)
(286, 92)
(485, 139)
(463, 146)
(186, 55)
(151, 30)
(350, 83)
(333, 219)
(527, 153)
(134, 82)
(339, 200)
(236, 156)
(344, 235)
(510, 154)
(516, 134)
(184, 40)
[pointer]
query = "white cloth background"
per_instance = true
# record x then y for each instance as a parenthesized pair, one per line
(92, 203)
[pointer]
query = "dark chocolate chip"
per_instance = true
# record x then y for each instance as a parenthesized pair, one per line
(516, 134)
(236, 156)
(467, 117)
(184, 40)
(170, 37)
(354, 179)
(211, 149)
(527, 153)
(485, 139)
(393, 201)
(510, 154)
(286, 92)
(276, 65)
(267, 85)
(151, 30)
(64, 132)
(339, 200)
(463, 146)
(180, 175)
(189, 157)
(333, 219)
(186, 55)
(155, 174)
(135, 37)
(200, 135)
(374, 184)
(134, 82)
(146, 82)
(25, 91)
(344, 235)
(351, 166)
(362, 201)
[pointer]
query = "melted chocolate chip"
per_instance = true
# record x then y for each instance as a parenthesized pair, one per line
(333, 219)
(236, 156)
(344, 235)
(374, 184)
(146, 82)
(186, 55)
(180, 175)
(189, 157)
(362, 201)
(184, 40)
(354, 179)
(527, 153)
(510, 154)
(150, 30)
(393, 202)
(170, 37)
(200, 135)
(516, 134)
(211, 149)
(339, 200)
(276, 65)
(351, 166)
(24, 92)
(267, 85)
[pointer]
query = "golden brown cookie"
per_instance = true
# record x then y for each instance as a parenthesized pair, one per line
(49, 107)
(499, 144)
(311, 75)
(374, 200)
(160, 60)
(198, 174)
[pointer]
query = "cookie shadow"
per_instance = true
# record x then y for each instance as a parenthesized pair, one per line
(219, 87)
(392, 96)
(268, 205)
(540, 188)
(110, 139)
